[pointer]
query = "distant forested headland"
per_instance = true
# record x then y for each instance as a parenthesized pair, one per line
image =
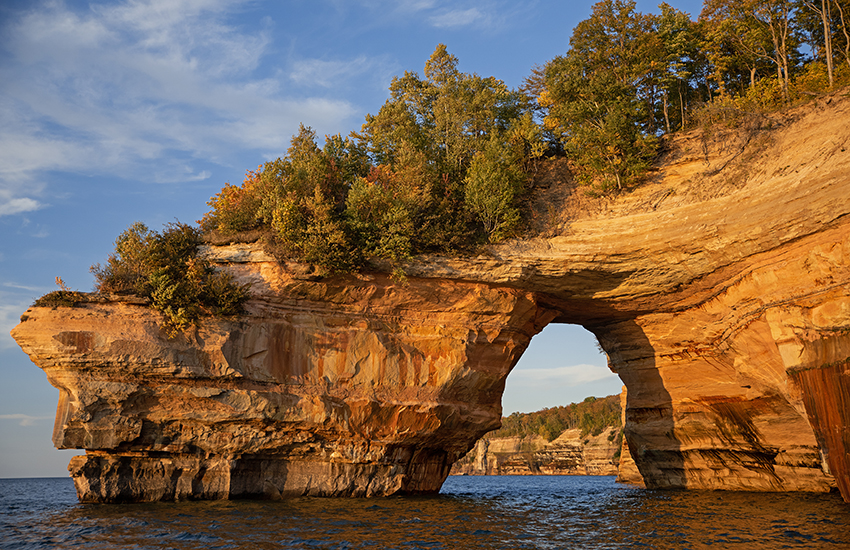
(591, 416)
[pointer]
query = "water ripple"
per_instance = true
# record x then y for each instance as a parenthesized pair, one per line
(472, 512)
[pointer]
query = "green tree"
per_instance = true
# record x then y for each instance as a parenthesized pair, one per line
(430, 131)
(594, 100)
(761, 30)
(380, 210)
(493, 185)
(166, 268)
(679, 39)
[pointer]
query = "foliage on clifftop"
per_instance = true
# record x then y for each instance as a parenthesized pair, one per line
(444, 164)
(592, 416)
(441, 167)
(165, 267)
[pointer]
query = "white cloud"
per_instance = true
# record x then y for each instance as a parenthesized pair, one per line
(458, 18)
(532, 389)
(26, 420)
(442, 14)
(25, 287)
(560, 376)
(11, 308)
(117, 87)
(16, 205)
(328, 73)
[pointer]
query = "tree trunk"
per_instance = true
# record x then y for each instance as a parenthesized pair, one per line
(844, 30)
(826, 17)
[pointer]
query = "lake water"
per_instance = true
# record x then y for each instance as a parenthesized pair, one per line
(471, 512)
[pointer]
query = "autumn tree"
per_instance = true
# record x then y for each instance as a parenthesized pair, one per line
(843, 8)
(761, 31)
(823, 9)
(825, 25)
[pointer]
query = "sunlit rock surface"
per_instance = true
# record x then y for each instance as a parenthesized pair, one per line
(720, 291)
(571, 453)
(362, 388)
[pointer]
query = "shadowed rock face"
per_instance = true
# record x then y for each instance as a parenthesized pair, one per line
(720, 292)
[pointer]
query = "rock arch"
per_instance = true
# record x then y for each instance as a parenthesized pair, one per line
(724, 308)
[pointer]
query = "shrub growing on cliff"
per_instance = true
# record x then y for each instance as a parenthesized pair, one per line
(64, 297)
(165, 267)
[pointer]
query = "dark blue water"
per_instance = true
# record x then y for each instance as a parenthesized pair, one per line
(471, 512)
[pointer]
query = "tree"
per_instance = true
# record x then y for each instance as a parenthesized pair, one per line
(380, 209)
(825, 22)
(761, 30)
(679, 40)
(732, 43)
(457, 112)
(596, 96)
(493, 184)
(824, 10)
(843, 7)
(431, 130)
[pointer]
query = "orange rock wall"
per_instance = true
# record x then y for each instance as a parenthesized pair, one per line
(712, 402)
(720, 291)
(355, 394)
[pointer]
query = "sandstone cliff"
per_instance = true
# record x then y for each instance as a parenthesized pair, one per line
(568, 454)
(720, 292)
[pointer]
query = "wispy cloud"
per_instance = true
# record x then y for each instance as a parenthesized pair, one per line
(459, 18)
(563, 376)
(329, 73)
(25, 419)
(10, 204)
(112, 88)
(12, 305)
(444, 14)
(25, 287)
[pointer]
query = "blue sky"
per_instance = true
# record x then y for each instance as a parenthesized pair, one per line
(115, 112)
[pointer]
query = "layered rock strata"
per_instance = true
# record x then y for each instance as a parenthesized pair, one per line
(720, 292)
(362, 388)
(568, 454)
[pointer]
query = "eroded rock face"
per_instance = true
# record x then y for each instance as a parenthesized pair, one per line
(364, 388)
(720, 291)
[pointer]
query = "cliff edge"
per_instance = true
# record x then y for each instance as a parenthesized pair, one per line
(720, 291)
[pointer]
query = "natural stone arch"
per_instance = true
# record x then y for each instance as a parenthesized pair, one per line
(725, 311)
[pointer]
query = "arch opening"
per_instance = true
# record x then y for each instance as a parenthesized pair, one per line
(563, 364)
(561, 411)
